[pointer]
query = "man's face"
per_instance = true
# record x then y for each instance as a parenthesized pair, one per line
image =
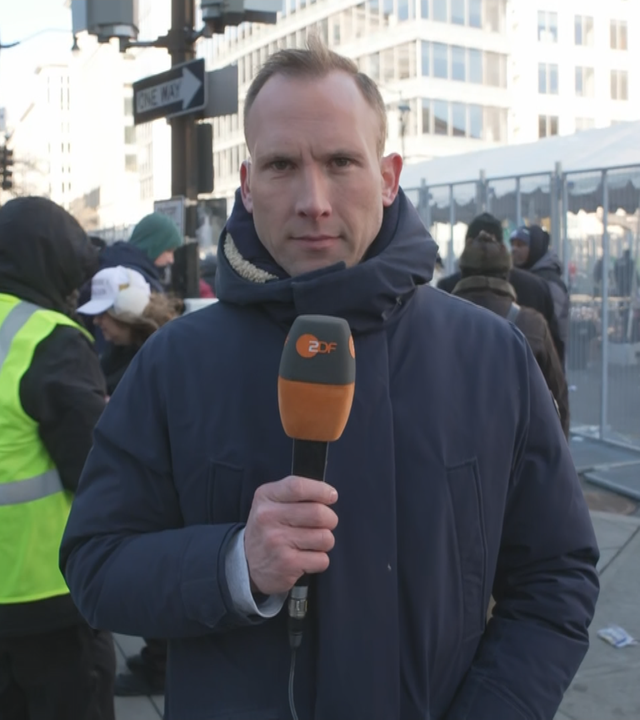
(166, 258)
(519, 252)
(316, 185)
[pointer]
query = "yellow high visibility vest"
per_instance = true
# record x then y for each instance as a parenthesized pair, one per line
(34, 506)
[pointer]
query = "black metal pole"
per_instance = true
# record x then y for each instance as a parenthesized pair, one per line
(184, 173)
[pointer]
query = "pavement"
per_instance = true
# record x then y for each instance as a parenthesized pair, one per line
(607, 685)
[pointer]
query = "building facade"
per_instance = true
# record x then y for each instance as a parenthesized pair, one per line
(574, 65)
(456, 75)
(43, 139)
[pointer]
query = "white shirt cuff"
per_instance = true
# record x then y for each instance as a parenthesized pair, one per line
(237, 572)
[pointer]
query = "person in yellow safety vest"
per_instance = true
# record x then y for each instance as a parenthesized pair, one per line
(53, 665)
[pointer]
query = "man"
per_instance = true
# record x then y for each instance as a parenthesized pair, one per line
(150, 250)
(53, 666)
(189, 527)
(530, 251)
(485, 265)
(532, 292)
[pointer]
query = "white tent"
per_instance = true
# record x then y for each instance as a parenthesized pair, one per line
(588, 150)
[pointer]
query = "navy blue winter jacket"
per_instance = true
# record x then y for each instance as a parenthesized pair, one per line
(454, 480)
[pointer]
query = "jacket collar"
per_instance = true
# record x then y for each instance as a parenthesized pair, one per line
(369, 295)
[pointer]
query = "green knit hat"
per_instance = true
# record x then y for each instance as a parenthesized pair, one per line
(155, 234)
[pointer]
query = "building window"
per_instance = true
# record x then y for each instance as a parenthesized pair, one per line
(404, 8)
(547, 27)
(440, 11)
(128, 107)
(426, 116)
(388, 65)
(618, 32)
(425, 50)
(475, 122)
(336, 31)
(494, 13)
(424, 8)
(585, 124)
(458, 63)
(547, 79)
(406, 61)
(130, 135)
(440, 117)
(459, 119)
(475, 67)
(457, 12)
(374, 66)
(584, 30)
(584, 82)
(547, 125)
(619, 85)
(475, 13)
(495, 70)
(131, 163)
(494, 124)
(440, 61)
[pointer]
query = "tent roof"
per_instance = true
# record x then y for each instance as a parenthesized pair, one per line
(588, 150)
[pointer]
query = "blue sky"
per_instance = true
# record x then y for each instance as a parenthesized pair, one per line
(19, 19)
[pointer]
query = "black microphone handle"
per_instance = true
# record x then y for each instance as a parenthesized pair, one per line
(310, 461)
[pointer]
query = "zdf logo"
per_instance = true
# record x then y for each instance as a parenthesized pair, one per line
(309, 346)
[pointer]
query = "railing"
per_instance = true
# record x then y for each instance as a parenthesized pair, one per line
(593, 218)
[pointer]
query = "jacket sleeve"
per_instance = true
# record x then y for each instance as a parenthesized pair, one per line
(63, 391)
(131, 564)
(546, 583)
(555, 377)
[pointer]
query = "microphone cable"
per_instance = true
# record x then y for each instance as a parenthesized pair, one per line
(292, 676)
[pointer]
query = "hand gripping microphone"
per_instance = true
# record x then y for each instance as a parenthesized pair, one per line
(315, 392)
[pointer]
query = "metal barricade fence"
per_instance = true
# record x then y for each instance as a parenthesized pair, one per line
(593, 217)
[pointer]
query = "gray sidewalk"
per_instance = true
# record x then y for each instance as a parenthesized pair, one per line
(607, 686)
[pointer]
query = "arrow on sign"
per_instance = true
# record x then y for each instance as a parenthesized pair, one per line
(183, 89)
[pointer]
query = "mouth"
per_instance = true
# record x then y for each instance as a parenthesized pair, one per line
(317, 242)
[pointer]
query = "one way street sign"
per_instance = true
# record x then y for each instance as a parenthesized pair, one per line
(178, 91)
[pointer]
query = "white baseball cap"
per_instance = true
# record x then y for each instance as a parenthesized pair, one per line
(120, 289)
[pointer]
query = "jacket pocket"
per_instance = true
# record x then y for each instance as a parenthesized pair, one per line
(466, 499)
(224, 493)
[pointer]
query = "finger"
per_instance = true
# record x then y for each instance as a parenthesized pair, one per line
(313, 562)
(295, 489)
(304, 515)
(311, 540)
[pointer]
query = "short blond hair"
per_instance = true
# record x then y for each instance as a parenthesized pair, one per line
(317, 61)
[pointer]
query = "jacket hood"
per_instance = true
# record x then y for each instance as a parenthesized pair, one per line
(44, 253)
(538, 245)
(400, 259)
(549, 261)
(127, 255)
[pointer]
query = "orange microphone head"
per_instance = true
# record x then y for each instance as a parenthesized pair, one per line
(317, 377)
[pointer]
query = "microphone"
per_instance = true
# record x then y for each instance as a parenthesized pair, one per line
(316, 384)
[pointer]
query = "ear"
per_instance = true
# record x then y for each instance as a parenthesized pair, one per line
(245, 185)
(391, 167)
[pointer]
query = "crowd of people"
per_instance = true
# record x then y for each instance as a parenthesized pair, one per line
(144, 472)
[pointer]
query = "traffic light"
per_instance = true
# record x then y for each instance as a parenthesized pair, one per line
(6, 167)
(218, 14)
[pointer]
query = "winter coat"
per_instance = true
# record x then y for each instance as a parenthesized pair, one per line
(531, 292)
(498, 295)
(455, 483)
(44, 257)
(549, 268)
(127, 255)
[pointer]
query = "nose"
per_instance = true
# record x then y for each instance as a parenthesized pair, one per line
(313, 195)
